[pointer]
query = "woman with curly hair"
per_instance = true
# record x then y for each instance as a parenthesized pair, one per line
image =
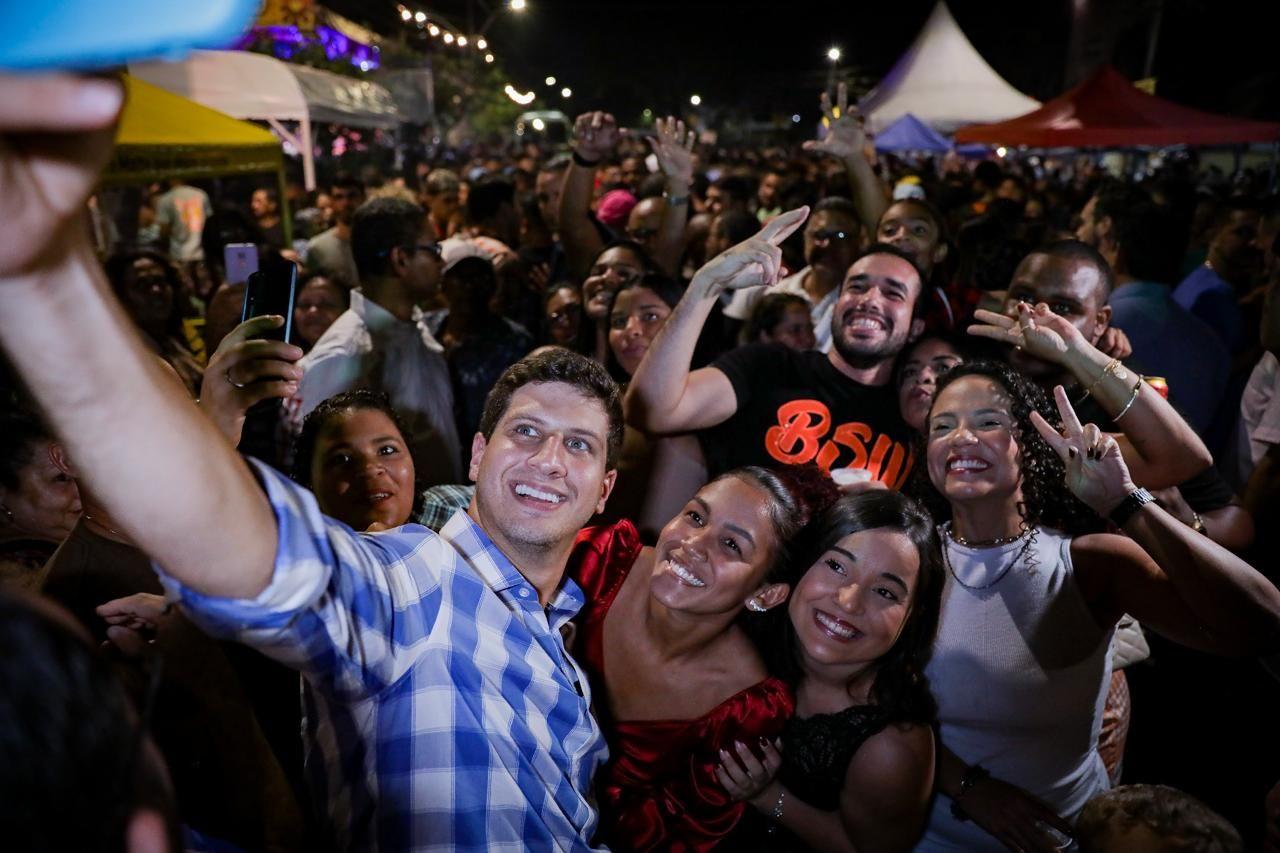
(856, 763)
(1033, 591)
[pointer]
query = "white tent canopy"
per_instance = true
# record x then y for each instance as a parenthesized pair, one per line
(943, 81)
(252, 86)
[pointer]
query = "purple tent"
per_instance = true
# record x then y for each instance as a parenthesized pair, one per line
(911, 134)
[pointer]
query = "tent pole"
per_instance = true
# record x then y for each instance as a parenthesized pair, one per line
(286, 216)
(308, 154)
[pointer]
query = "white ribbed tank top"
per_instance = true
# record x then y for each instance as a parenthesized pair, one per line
(1020, 671)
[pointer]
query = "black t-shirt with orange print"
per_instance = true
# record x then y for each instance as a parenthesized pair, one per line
(796, 407)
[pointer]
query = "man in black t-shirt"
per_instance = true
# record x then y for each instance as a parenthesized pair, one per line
(766, 404)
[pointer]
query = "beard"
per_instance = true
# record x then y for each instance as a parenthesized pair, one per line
(862, 355)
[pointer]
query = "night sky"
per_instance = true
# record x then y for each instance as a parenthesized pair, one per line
(765, 59)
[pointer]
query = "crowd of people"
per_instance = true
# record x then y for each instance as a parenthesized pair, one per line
(648, 495)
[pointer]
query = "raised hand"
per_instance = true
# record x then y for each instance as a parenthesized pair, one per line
(245, 370)
(748, 778)
(1096, 472)
(674, 149)
(595, 135)
(1013, 817)
(845, 136)
(752, 263)
(1036, 330)
(55, 137)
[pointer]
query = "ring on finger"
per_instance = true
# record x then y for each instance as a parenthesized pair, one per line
(234, 384)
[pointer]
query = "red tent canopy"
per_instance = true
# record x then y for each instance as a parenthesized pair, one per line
(1108, 111)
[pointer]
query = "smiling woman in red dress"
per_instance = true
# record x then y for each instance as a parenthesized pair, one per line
(675, 678)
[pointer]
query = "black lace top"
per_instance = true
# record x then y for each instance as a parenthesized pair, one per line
(817, 751)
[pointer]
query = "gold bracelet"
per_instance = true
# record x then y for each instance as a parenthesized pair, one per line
(1137, 389)
(1111, 366)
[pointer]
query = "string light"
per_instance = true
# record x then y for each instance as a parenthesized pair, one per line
(420, 17)
(550, 81)
(448, 38)
(521, 98)
(434, 30)
(481, 44)
(462, 41)
(488, 57)
(695, 100)
(566, 92)
(405, 13)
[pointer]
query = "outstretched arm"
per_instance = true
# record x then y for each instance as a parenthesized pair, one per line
(845, 140)
(594, 137)
(1166, 575)
(664, 396)
(175, 486)
(1159, 447)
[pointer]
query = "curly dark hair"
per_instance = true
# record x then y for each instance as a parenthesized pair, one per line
(901, 689)
(328, 412)
(1045, 500)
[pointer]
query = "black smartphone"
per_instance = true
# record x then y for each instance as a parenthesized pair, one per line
(273, 289)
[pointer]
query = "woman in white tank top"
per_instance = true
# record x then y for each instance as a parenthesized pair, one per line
(1020, 669)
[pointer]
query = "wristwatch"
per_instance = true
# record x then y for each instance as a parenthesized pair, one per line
(1132, 502)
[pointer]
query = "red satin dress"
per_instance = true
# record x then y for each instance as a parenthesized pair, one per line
(659, 789)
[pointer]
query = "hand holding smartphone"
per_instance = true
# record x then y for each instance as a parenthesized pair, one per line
(272, 289)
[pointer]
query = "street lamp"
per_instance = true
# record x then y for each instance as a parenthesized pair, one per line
(833, 55)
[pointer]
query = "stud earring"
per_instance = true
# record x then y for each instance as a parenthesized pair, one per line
(754, 604)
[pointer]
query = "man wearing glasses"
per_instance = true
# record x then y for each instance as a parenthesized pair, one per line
(378, 342)
(832, 238)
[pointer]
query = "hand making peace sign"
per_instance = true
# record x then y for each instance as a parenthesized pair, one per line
(845, 136)
(1096, 472)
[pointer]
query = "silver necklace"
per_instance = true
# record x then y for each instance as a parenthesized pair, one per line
(981, 543)
(1018, 555)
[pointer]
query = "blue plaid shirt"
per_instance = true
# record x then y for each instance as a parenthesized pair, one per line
(442, 710)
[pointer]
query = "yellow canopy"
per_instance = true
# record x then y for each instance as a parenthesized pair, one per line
(162, 135)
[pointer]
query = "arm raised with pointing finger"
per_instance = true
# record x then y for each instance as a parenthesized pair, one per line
(664, 395)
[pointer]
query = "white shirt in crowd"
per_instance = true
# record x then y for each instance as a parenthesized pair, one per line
(744, 301)
(367, 347)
